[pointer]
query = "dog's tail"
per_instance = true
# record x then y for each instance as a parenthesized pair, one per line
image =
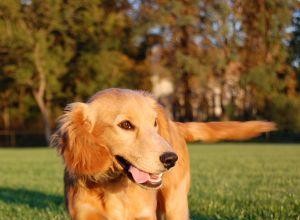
(217, 131)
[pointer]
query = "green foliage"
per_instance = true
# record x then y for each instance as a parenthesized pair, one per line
(114, 66)
(285, 111)
(54, 52)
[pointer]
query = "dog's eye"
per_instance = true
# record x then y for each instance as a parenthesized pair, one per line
(155, 123)
(126, 125)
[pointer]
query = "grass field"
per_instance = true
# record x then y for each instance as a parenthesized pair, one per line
(229, 181)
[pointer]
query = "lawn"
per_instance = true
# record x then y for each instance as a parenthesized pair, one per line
(229, 181)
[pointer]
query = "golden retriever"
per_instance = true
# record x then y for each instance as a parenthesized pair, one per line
(125, 159)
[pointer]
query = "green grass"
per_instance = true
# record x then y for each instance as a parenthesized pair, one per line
(245, 181)
(31, 184)
(229, 181)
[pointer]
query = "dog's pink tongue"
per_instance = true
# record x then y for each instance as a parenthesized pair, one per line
(138, 175)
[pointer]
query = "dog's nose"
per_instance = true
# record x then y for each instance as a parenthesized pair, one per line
(168, 159)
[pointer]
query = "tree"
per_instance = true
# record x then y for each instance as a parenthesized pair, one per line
(196, 48)
(63, 49)
(295, 42)
(268, 71)
(36, 63)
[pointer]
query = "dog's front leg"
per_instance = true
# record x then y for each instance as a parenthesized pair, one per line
(87, 212)
(173, 202)
(83, 205)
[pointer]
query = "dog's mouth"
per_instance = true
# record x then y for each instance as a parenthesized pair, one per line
(139, 176)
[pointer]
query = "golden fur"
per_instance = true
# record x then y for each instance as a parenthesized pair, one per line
(90, 140)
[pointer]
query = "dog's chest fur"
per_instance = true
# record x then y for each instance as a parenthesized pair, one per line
(130, 201)
(119, 200)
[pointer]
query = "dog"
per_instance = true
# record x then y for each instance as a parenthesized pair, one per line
(126, 159)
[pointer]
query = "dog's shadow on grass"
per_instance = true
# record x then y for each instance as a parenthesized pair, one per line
(32, 198)
(194, 216)
(40, 200)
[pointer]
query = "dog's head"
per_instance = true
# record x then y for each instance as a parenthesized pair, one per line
(123, 129)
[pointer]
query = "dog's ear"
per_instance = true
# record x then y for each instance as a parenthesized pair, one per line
(77, 142)
(163, 122)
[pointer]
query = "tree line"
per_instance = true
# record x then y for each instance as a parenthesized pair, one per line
(203, 59)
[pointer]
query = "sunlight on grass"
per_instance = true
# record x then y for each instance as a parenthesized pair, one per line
(31, 184)
(245, 181)
(229, 181)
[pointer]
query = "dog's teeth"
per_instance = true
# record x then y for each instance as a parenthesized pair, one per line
(156, 180)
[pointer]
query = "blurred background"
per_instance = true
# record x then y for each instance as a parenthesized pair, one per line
(203, 60)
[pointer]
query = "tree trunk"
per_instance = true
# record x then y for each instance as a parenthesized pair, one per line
(5, 114)
(185, 45)
(187, 98)
(39, 93)
(45, 115)
(6, 118)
